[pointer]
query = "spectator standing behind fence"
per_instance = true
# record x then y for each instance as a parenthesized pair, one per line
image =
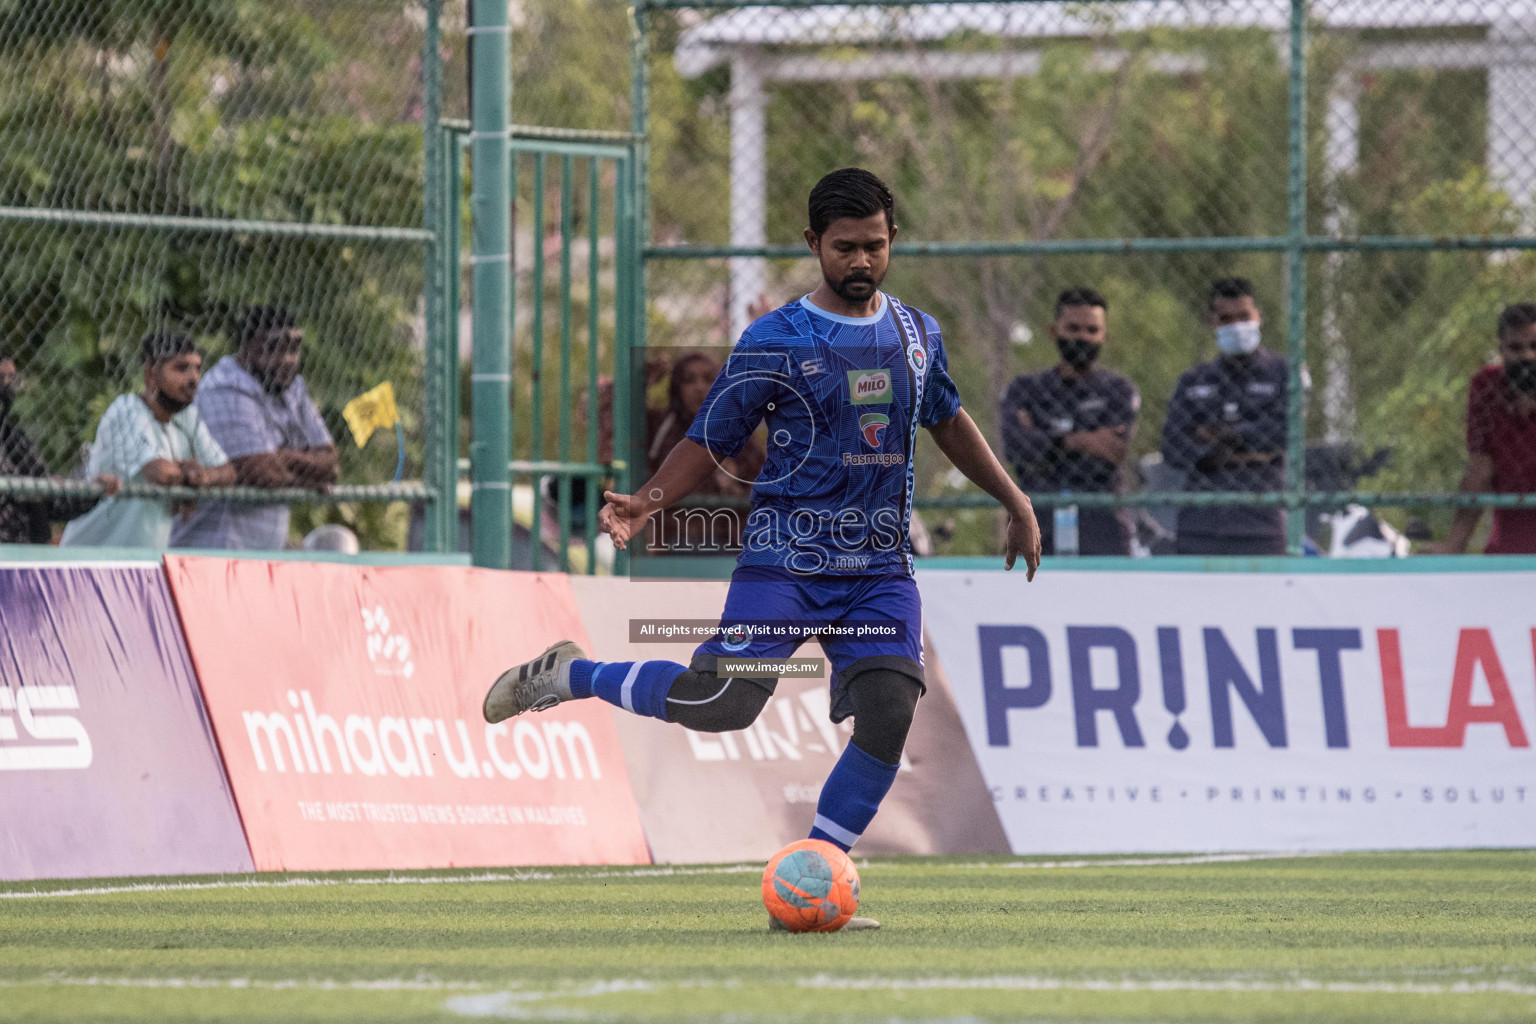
(1501, 440)
(697, 530)
(1068, 428)
(1226, 430)
(159, 438)
(28, 522)
(257, 405)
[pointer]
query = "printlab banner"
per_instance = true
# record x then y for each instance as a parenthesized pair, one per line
(107, 762)
(1142, 711)
(347, 704)
(742, 795)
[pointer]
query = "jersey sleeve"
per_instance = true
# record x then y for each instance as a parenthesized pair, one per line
(1479, 417)
(207, 450)
(754, 376)
(941, 399)
(1126, 404)
(1022, 443)
(316, 433)
(1181, 449)
(125, 442)
(237, 421)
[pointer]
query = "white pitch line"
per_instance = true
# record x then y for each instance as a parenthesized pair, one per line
(1032, 984)
(488, 1003)
(316, 984)
(658, 871)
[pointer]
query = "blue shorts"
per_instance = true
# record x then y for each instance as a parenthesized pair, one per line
(862, 622)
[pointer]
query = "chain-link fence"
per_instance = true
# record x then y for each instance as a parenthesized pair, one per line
(169, 163)
(1374, 196)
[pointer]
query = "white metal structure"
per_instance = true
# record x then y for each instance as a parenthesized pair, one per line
(759, 45)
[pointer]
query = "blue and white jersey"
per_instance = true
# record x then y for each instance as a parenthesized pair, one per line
(842, 399)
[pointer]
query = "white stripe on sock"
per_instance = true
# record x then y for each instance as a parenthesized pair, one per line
(628, 688)
(835, 830)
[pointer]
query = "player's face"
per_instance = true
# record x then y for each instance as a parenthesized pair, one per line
(855, 254)
(273, 358)
(1230, 311)
(695, 384)
(1080, 323)
(176, 379)
(1518, 344)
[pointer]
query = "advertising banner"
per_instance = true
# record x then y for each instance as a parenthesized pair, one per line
(1147, 711)
(743, 795)
(346, 701)
(107, 762)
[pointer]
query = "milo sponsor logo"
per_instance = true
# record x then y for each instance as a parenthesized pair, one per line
(869, 387)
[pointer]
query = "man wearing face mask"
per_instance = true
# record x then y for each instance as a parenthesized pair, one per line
(28, 522)
(1501, 440)
(257, 405)
(1068, 428)
(158, 438)
(1226, 429)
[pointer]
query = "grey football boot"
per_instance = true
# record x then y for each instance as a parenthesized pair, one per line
(536, 685)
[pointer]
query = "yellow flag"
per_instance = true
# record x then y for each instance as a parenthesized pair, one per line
(371, 411)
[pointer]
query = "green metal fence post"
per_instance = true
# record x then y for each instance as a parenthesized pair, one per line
(490, 445)
(439, 371)
(453, 175)
(563, 435)
(640, 233)
(536, 368)
(1296, 283)
(594, 411)
(626, 264)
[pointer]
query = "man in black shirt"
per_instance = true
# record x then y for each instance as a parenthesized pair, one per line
(27, 522)
(1226, 429)
(1068, 428)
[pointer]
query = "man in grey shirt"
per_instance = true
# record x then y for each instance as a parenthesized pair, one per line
(257, 407)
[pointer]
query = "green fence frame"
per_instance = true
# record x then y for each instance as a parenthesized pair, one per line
(562, 148)
(1295, 244)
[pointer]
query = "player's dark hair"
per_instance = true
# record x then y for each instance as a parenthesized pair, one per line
(258, 320)
(1229, 288)
(850, 192)
(1512, 318)
(1080, 297)
(163, 346)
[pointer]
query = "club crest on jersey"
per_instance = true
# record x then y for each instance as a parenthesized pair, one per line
(917, 357)
(869, 387)
(872, 425)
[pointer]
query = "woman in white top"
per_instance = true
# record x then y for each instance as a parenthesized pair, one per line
(157, 438)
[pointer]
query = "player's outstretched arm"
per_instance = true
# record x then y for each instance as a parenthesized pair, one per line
(686, 466)
(962, 443)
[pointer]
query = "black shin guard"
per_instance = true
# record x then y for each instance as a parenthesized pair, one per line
(704, 702)
(884, 702)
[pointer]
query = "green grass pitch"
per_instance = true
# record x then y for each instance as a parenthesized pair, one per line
(1399, 937)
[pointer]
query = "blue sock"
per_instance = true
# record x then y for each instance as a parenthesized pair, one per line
(851, 796)
(637, 686)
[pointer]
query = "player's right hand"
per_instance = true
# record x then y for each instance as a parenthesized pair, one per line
(622, 518)
(1023, 539)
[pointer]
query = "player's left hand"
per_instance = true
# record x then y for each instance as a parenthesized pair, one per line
(1023, 539)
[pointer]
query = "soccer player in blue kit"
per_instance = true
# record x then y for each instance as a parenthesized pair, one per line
(843, 378)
